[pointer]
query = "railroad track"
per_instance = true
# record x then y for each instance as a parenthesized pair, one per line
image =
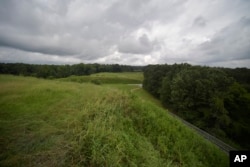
(223, 146)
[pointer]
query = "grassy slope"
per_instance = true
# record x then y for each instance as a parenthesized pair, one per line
(109, 78)
(53, 123)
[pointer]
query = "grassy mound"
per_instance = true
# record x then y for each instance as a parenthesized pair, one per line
(108, 78)
(53, 123)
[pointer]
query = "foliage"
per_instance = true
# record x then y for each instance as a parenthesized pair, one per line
(206, 97)
(62, 71)
(241, 75)
(54, 123)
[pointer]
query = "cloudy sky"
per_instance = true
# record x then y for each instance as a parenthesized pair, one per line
(133, 32)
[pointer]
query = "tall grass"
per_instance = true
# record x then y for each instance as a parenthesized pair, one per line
(52, 123)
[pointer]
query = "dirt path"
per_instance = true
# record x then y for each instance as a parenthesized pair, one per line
(139, 87)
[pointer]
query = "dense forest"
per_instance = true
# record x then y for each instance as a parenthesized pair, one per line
(61, 71)
(214, 99)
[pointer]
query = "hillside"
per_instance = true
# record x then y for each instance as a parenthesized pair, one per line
(58, 123)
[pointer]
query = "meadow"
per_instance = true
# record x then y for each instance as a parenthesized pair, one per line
(108, 78)
(62, 123)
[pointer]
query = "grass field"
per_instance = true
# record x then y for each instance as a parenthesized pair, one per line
(57, 123)
(108, 78)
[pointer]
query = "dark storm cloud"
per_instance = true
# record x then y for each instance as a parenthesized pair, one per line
(38, 44)
(141, 45)
(199, 21)
(78, 28)
(32, 26)
(126, 32)
(231, 43)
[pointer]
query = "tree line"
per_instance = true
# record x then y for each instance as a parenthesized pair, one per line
(216, 100)
(61, 71)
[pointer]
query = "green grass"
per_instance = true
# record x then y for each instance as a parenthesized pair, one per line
(55, 123)
(108, 78)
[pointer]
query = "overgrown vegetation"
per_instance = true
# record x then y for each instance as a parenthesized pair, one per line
(56, 123)
(214, 99)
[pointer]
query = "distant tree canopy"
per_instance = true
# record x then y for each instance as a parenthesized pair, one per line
(61, 71)
(214, 99)
(241, 75)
